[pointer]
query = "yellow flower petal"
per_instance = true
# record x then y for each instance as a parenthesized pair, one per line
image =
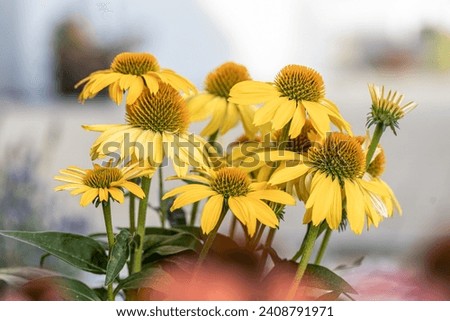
(88, 196)
(151, 83)
(298, 120)
(133, 188)
(231, 118)
(238, 208)
(266, 113)
(261, 211)
(219, 106)
(276, 196)
(355, 206)
(116, 194)
(115, 93)
(211, 213)
(250, 92)
(288, 174)
(319, 117)
(136, 88)
(284, 114)
(192, 196)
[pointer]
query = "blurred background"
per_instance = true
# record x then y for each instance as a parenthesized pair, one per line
(47, 46)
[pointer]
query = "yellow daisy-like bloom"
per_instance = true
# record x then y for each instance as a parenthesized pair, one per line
(156, 127)
(296, 93)
(231, 186)
(334, 181)
(100, 183)
(133, 72)
(386, 204)
(214, 102)
(387, 110)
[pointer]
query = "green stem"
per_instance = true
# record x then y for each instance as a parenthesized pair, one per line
(267, 246)
(310, 240)
(210, 240)
(106, 205)
(194, 213)
(284, 137)
(302, 247)
(162, 204)
(213, 137)
(233, 226)
(379, 130)
(142, 213)
(323, 246)
(255, 241)
(132, 213)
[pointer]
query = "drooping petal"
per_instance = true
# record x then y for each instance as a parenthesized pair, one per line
(355, 206)
(211, 213)
(88, 196)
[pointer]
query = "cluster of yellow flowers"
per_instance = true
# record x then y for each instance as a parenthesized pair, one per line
(336, 174)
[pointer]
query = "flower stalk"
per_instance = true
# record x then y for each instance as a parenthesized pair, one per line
(142, 214)
(106, 206)
(309, 242)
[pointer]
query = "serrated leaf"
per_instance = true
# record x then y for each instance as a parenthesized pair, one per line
(67, 288)
(80, 251)
(153, 277)
(119, 256)
(320, 277)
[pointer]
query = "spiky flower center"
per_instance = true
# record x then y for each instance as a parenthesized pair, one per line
(340, 156)
(102, 177)
(220, 81)
(163, 111)
(134, 63)
(300, 83)
(302, 142)
(231, 181)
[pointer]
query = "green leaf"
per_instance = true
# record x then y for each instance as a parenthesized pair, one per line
(17, 276)
(153, 277)
(119, 256)
(80, 251)
(320, 277)
(69, 289)
(173, 244)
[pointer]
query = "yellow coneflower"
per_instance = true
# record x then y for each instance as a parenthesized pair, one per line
(386, 204)
(231, 186)
(156, 127)
(133, 72)
(298, 92)
(333, 178)
(214, 102)
(387, 110)
(100, 183)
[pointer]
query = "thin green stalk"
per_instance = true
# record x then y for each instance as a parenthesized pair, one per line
(194, 213)
(140, 232)
(162, 204)
(132, 209)
(379, 130)
(302, 247)
(210, 240)
(309, 245)
(233, 227)
(323, 246)
(213, 137)
(106, 206)
(267, 246)
(255, 240)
